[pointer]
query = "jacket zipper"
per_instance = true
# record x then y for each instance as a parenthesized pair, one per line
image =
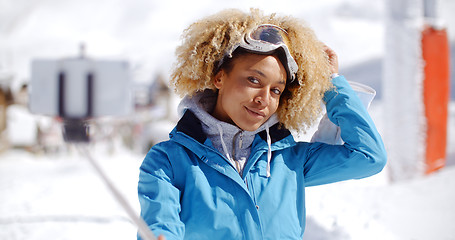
(236, 163)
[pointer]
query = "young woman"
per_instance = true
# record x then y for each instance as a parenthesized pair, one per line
(231, 169)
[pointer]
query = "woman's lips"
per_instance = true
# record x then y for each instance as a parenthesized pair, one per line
(256, 113)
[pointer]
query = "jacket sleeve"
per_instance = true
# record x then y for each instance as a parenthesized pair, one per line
(158, 197)
(362, 154)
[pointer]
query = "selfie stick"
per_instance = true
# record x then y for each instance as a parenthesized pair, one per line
(143, 230)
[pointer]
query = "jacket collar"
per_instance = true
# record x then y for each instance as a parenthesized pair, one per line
(190, 125)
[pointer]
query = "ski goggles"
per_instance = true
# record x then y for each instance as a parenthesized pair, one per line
(267, 39)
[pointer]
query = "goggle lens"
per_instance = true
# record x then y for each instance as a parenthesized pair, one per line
(270, 34)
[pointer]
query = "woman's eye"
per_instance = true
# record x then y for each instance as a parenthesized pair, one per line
(253, 80)
(276, 91)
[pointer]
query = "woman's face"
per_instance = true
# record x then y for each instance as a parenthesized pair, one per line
(250, 93)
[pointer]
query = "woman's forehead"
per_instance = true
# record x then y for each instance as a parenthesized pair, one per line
(262, 65)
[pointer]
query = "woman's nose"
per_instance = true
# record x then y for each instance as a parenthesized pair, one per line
(262, 98)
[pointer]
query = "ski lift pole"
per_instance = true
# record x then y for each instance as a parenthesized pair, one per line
(143, 229)
(436, 85)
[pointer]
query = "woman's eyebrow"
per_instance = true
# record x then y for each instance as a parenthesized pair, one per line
(282, 82)
(259, 72)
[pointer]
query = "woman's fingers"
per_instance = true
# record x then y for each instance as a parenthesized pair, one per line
(333, 58)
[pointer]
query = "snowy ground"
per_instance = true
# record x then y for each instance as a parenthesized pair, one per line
(62, 197)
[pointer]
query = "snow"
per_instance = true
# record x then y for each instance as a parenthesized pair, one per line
(21, 129)
(417, 209)
(60, 196)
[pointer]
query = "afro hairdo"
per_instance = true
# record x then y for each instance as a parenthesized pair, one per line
(206, 41)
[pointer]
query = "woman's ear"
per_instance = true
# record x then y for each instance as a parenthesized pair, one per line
(218, 79)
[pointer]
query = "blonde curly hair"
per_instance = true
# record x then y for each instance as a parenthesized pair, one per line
(206, 41)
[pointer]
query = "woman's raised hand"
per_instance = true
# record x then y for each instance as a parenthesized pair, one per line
(333, 58)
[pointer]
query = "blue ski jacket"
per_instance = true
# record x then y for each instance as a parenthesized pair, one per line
(189, 190)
